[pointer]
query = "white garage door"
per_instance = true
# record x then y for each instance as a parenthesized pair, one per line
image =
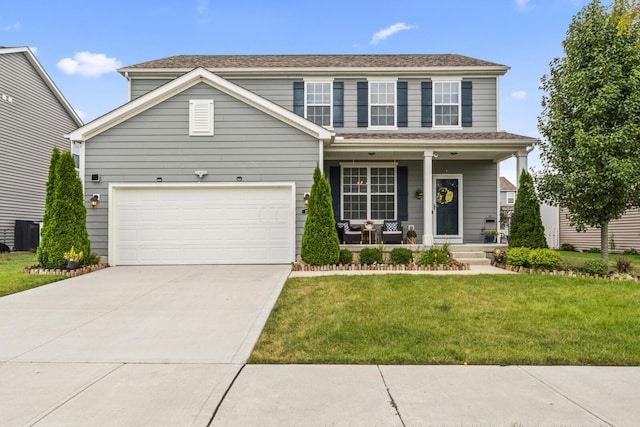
(202, 224)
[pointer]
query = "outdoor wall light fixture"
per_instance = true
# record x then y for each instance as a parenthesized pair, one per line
(94, 200)
(159, 179)
(305, 198)
(239, 178)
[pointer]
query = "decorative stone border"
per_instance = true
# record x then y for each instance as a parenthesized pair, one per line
(62, 272)
(455, 266)
(564, 273)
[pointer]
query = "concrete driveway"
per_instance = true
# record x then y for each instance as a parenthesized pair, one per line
(131, 345)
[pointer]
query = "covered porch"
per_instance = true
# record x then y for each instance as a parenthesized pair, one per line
(445, 187)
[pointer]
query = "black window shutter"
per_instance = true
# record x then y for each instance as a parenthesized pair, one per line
(298, 98)
(363, 104)
(338, 104)
(403, 115)
(467, 104)
(427, 104)
(403, 193)
(334, 182)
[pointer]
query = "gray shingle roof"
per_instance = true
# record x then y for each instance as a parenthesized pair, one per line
(314, 61)
(487, 136)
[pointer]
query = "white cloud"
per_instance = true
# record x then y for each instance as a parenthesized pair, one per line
(522, 4)
(202, 7)
(81, 114)
(34, 50)
(520, 94)
(89, 64)
(389, 31)
(14, 27)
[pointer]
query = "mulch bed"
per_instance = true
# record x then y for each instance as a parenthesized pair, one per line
(455, 266)
(63, 272)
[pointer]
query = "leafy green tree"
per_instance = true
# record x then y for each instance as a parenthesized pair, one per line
(43, 247)
(66, 219)
(526, 223)
(591, 119)
(320, 243)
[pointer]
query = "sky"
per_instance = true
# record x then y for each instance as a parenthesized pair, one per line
(81, 44)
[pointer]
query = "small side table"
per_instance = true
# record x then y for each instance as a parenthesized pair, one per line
(368, 233)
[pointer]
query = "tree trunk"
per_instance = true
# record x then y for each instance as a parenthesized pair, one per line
(604, 241)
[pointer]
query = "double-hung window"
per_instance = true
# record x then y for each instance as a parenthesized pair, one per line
(369, 192)
(318, 102)
(446, 102)
(511, 197)
(382, 104)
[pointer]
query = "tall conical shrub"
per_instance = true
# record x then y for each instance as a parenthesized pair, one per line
(320, 243)
(67, 218)
(43, 247)
(526, 223)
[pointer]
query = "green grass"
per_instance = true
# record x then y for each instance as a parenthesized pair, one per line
(13, 280)
(425, 319)
(576, 260)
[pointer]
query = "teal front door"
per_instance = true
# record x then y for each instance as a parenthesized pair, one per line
(448, 209)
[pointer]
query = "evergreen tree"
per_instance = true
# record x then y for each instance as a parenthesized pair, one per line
(526, 223)
(43, 247)
(67, 218)
(320, 243)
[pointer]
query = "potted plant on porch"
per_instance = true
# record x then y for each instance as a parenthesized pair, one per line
(411, 237)
(490, 235)
(73, 258)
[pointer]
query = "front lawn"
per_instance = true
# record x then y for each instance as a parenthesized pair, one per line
(453, 319)
(12, 279)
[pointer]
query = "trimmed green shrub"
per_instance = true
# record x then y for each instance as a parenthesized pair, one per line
(320, 243)
(66, 216)
(43, 248)
(545, 259)
(630, 251)
(435, 256)
(526, 223)
(346, 257)
(624, 265)
(401, 256)
(371, 256)
(91, 259)
(518, 257)
(596, 266)
(593, 250)
(568, 247)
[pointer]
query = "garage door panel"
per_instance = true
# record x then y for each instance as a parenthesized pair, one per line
(203, 225)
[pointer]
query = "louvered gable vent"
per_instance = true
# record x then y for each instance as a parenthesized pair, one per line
(201, 117)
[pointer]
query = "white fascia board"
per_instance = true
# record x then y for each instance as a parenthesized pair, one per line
(184, 82)
(47, 80)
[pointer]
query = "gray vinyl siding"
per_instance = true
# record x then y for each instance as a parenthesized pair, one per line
(280, 91)
(624, 231)
(30, 127)
(155, 143)
(479, 197)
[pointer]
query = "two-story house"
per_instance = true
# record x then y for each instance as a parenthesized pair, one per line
(34, 116)
(211, 159)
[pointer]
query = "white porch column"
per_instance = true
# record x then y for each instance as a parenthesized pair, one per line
(521, 164)
(427, 185)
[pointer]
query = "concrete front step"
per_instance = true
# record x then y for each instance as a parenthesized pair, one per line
(474, 261)
(466, 254)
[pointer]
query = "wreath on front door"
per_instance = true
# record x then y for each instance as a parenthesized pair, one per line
(444, 196)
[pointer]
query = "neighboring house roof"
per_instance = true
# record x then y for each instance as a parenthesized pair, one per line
(332, 63)
(199, 75)
(506, 185)
(45, 78)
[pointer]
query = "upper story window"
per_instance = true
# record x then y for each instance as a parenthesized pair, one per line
(318, 102)
(75, 152)
(511, 197)
(446, 103)
(382, 104)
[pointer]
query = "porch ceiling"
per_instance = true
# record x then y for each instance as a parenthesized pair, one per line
(495, 146)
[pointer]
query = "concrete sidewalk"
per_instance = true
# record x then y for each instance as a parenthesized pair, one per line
(358, 395)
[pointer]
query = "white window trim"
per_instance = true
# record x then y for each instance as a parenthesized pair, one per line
(513, 197)
(368, 166)
(433, 101)
(201, 117)
(395, 104)
(330, 81)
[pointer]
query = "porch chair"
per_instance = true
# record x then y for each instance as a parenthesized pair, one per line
(392, 231)
(348, 233)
